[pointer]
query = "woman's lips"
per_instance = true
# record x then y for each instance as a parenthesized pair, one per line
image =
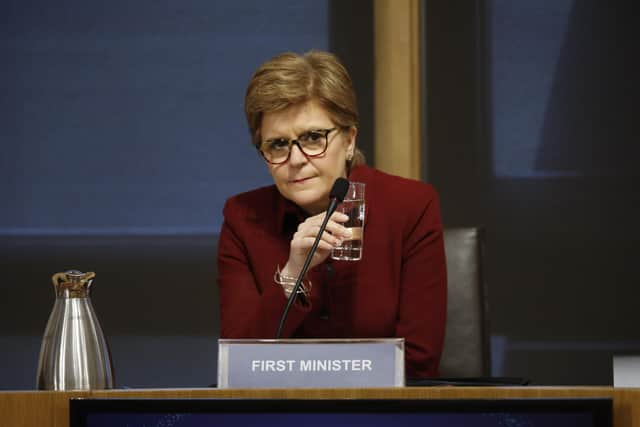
(301, 180)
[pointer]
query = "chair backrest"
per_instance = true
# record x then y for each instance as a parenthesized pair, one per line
(466, 345)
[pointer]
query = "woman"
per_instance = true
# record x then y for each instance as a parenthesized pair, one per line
(302, 115)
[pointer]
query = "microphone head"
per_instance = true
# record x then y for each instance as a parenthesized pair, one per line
(339, 189)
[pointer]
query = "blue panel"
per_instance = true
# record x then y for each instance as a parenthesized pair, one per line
(564, 88)
(526, 42)
(126, 117)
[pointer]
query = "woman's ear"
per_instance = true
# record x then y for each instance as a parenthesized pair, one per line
(351, 141)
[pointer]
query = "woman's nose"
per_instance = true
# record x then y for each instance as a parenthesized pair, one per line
(297, 157)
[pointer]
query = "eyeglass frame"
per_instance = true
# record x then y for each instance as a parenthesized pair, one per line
(291, 142)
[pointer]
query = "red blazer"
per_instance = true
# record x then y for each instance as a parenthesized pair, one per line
(397, 289)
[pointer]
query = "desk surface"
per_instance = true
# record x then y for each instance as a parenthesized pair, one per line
(51, 409)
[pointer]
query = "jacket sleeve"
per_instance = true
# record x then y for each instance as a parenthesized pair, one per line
(251, 304)
(423, 289)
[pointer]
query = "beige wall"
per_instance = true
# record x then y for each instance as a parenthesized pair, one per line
(397, 71)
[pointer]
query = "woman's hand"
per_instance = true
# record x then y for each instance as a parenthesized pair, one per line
(306, 234)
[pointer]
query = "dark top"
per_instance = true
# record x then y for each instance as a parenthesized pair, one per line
(397, 289)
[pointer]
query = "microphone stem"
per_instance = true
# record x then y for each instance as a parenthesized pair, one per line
(305, 267)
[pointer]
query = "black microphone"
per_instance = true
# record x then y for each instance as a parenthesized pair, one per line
(336, 195)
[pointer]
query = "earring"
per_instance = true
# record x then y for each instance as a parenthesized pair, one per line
(349, 156)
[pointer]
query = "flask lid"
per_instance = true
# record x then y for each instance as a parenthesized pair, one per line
(73, 283)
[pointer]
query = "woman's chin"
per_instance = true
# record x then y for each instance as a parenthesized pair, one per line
(310, 202)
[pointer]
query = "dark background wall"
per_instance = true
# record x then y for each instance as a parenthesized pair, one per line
(531, 133)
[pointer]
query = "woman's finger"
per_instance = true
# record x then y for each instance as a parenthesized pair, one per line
(304, 240)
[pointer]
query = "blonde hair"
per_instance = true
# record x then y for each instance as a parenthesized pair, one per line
(289, 79)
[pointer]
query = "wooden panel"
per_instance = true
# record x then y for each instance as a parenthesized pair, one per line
(51, 409)
(397, 87)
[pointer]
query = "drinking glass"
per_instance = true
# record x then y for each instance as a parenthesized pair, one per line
(353, 206)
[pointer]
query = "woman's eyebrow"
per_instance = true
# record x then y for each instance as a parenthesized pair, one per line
(275, 138)
(281, 135)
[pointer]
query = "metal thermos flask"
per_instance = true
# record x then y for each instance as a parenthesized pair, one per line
(74, 354)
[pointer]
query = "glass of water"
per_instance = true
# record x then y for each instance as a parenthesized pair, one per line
(353, 206)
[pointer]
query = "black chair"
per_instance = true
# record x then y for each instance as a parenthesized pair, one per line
(466, 351)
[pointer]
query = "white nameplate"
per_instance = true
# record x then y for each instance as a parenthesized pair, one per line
(311, 363)
(626, 371)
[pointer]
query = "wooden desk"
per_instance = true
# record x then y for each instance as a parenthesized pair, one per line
(51, 409)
